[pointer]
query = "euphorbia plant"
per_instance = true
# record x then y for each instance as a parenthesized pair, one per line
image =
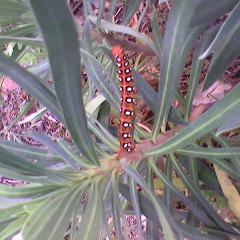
(74, 192)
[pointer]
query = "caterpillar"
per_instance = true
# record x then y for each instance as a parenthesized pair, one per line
(128, 100)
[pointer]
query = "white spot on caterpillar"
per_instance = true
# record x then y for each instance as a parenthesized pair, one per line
(127, 113)
(127, 70)
(125, 135)
(125, 145)
(129, 89)
(129, 100)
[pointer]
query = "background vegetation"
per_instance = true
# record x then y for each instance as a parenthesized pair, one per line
(187, 154)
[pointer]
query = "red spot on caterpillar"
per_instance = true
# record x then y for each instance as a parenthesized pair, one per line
(128, 100)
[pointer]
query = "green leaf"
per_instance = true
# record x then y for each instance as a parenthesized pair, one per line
(149, 211)
(25, 30)
(224, 52)
(102, 133)
(13, 227)
(209, 121)
(125, 30)
(149, 95)
(236, 161)
(227, 152)
(37, 42)
(152, 231)
(90, 224)
(198, 212)
(196, 194)
(196, 68)
(173, 58)
(113, 5)
(11, 11)
(116, 208)
(94, 69)
(56, 225)
(12, 162)
(27, 191)
(136, 206)
(167, 230)
(156, 34)
(207, 11)
(101, 8)
(31, 84)
(64, 60)
(131, 6)
(28, 151)
(69, 157)
(231, 124)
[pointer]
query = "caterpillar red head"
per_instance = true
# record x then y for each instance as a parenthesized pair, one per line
(128, 100)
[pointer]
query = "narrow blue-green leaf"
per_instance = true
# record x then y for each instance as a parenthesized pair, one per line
(101, 8)
(198, 212)
(149, 95)
(236, 161)
(111, 11)
(208, 177)
(196, 68)
(148, 210)
(125, 30)
(11, 161)
(39, 215)
(27, 191)
(199, 197)
(88, 9)
(131, 6)
(142, 15)
(37, 42)
(70, 158)
(224, 52)
(25, 30)
(116, 209)
(231, 124)
(31, 84)
(167, 230)
(11, 11)
(65, 64)
(103, 134)
(56, 225)
(136, 206)
(176, 33)
(209, 121)
(152, 230)
(13, 5)
(157, 35)
(227, 167)
(168, 195)
(209, 10)
(27, 151)
(225, 152)
(13, 227)
(90, 224)
(95, 70)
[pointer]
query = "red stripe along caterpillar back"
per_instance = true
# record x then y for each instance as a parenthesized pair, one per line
(128, 100)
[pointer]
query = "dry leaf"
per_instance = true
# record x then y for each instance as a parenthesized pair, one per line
(212, 94)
